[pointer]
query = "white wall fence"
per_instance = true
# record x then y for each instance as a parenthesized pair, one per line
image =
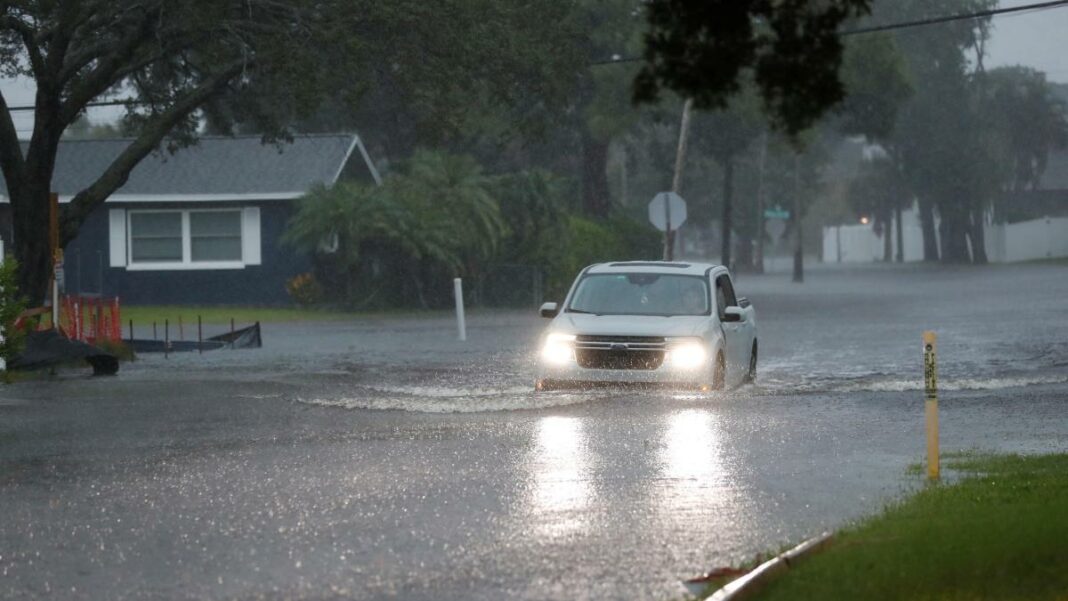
(860, 244)
(1044, 238)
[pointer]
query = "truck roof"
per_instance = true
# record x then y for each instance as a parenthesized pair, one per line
(679, 267)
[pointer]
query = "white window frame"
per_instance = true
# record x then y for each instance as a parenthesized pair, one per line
(187, 244)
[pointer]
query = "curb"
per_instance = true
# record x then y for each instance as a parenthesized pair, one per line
(761, 575)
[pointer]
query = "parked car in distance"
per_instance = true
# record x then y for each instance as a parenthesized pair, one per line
(659, 323)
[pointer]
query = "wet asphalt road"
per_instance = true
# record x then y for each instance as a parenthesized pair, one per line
(381, 458)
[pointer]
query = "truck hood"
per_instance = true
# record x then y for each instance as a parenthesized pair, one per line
(631, 325)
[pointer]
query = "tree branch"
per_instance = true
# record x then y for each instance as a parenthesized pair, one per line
(12, 162)
(29, 39)
(154, 132)
(89, 45)
(103, 76)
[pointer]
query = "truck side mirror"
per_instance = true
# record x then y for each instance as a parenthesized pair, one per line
(733, 314)
(549, 310)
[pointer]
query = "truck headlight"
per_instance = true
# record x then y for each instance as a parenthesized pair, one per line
(688, 355)
(558, 349)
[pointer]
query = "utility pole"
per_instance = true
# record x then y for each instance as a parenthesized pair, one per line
(676, 182)
(759, 258)
(799, 267)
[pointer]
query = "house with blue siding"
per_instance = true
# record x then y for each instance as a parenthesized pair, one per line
(201, 225)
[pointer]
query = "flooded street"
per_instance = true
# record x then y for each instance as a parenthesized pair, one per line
(382, 458)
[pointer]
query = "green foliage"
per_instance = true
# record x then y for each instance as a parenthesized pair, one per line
(702, 49)
(877, 84)
(1031, 117)
(727, 132)
(457, 220)
(350, 215)
(534, 206)
(615, 29)
(587, 241)
(438, 214)
(12, 304)
(946, 149)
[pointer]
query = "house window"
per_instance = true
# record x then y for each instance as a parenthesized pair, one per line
(156, 237)
(215, 235)
(187, 238)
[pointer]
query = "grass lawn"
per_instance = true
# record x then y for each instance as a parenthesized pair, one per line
(1000, 533)
(1058, 261)
(144, 315)
(242, 316)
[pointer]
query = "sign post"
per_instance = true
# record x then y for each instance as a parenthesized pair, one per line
(775, 225)
(57, 254)
(667, 212)
(930, 384)
(676, 181)
(458, 293)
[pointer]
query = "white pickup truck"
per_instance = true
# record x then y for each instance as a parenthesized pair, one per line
(649, 322)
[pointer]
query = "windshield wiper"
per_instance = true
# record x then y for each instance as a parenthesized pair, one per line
(581, 311)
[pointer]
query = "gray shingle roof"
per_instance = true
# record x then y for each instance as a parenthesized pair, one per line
(215, 165)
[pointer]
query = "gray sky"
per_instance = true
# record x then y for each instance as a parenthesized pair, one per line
(1036, 39)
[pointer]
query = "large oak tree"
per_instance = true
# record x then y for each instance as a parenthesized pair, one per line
(265, 64)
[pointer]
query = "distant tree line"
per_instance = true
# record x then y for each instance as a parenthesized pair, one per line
(533, 104)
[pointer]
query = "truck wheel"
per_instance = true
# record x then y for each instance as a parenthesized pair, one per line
(719, 375)
(750, 376)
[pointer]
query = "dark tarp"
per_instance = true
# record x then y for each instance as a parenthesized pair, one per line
(48, 348)
(244, 338)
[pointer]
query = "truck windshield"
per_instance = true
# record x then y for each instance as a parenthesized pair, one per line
(641, 294)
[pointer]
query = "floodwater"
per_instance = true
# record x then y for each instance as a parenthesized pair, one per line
(384, 459)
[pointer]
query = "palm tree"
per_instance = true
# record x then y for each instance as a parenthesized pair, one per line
(342, 220)
(459, 220)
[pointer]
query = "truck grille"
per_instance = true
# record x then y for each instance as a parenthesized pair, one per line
(619, 352)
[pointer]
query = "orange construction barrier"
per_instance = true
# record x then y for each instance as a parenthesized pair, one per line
(91, 319)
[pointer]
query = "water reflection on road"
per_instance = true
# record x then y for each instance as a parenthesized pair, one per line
(692, 462)
(559, 476)
(384, 459)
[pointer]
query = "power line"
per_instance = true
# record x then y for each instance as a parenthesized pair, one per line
(93, 104)
(902, 25)
(959, 17)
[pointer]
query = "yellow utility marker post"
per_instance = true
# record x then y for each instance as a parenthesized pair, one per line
(930, 381)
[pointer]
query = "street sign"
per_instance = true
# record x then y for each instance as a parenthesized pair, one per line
(776, 213)
(667, 206)
(775, 227)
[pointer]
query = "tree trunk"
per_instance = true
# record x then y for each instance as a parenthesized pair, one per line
(900, 234)
(728, 209)
(29, 214)
(930, 239)
(743, 260)
(758, 258)
(954, 235)
(888, 234)
(799, 247)
(29, 204)
(977, 235)
(595, 199)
